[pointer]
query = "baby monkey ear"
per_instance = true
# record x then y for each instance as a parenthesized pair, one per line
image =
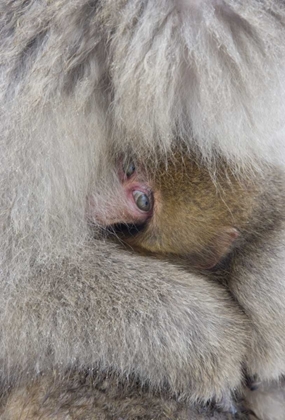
(221, 245)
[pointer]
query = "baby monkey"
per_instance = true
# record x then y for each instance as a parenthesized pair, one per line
(231, 225)
(178, 209)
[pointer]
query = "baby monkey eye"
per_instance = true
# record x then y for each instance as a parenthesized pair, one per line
(129, 168)
(142, 200)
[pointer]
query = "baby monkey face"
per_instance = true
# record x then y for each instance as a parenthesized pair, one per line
(179, 209)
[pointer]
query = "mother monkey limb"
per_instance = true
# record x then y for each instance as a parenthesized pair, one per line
(81, 83)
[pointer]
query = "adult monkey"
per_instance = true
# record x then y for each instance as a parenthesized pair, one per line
(81, 83)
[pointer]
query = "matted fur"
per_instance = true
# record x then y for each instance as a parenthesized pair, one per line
(82, 82)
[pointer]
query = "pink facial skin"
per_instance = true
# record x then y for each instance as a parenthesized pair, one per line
(120, 206)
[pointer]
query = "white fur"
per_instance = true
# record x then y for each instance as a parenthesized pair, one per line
(80, 83)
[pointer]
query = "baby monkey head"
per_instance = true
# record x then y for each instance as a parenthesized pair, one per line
(179, 209)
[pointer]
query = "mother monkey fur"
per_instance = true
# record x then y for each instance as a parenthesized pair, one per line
(86, 325)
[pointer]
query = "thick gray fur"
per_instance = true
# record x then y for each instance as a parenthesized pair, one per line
(81, 83)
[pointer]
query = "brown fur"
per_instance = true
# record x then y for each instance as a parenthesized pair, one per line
(194, 215)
